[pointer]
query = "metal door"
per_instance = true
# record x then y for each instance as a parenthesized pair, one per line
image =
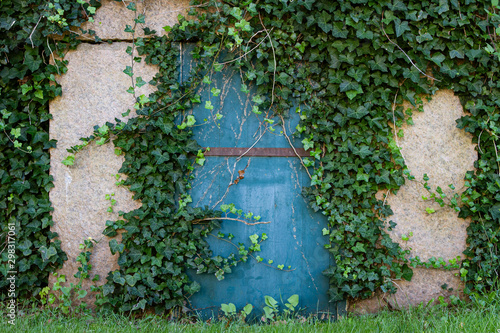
(271, 188)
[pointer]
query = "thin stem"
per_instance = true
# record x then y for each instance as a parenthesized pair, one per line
(291, 145)
(27, 152)
(53, 58)
(430, 77)
(32, 31)
(133, 51)
(395, 127)
(230, 61)
(227, 218)
(274, 56)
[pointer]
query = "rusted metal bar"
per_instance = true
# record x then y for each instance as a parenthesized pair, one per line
(262, 152)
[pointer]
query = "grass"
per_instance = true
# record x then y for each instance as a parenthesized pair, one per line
(463, 318)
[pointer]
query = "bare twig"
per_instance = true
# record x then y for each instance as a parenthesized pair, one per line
(14, 143)
(496, 154)
(493, 138)
(382, 22)
(231, 182)
(133, 51)
(274, 56)
(53, 58)
(230, 61)
(386, 196)
(32, 31)
(255, 34)
(395, 127)
(290, 142)
(228, 218)
(253, 145)
(479, 142)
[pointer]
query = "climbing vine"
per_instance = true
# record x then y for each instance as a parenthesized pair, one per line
(29, 63)
(346, 66)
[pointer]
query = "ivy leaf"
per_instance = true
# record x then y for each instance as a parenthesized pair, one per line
(359, 113)
(473, 54)
(140, 19)
(407, 273)
(115, 247)
(363, 176)
(128, 71)
(139, 82)
(339, 31)
(69, 160)
(134, 255)
(131, 6)
(323, 20)
(456, 54)
(383, 177)
(364, 151)
(32, 63)
(25, 88)
(39, 94)
(20, 186)
(412, 74)
(108, 289)
(206, 79)
(236, 12)
(128, 28)
(117, 278)
(443, 7)
(359, 247)
(438, 58)
(356, 73)
(378, 64)
(23, 265)
(257, 99)
(495, 212)
(215, 92)
(347, 85)
(160, 157)
(400, 27)
(364, 34)
(47, 253)
(424, 38)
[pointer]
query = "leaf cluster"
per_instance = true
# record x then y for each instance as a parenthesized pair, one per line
(28, 65)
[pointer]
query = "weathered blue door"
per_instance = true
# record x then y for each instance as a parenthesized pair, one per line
(271, 188)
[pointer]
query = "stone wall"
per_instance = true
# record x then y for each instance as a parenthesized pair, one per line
(94, 91)
(435, 146)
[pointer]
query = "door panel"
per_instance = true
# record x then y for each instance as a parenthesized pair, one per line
(271, 188)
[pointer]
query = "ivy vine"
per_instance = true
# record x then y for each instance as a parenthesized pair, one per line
(347, 66)
(29, 62)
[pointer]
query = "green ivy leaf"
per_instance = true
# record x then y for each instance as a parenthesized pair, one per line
(359, 247)
(47, 253)
(128, 71)
(139, 82)
(323, 20)
(115, 247)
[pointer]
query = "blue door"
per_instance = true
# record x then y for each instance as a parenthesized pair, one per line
(252, 165)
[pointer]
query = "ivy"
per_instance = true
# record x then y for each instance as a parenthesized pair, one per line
(346, 66)
(29, 63)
